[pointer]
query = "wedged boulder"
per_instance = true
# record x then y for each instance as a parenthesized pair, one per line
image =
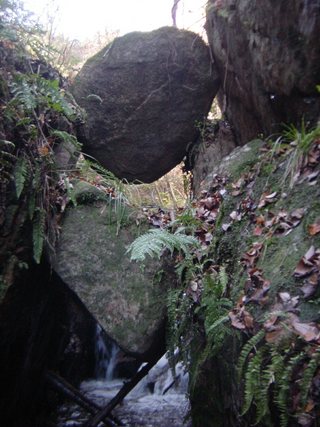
(128, 301)
(144, 95)
(268, 57)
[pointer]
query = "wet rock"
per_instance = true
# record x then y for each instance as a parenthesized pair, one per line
(270, 66)
(144, 95)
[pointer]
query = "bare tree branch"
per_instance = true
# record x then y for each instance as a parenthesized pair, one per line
(174, 12)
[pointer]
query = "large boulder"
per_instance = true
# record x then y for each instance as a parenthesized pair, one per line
(268, 57)
(145, 95)
(128, 301)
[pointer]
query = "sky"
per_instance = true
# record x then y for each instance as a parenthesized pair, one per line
(83, 19)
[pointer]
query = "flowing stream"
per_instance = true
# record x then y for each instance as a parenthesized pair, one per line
(159, 400)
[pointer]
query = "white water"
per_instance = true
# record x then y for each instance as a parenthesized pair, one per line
(159, 400)
(106, 356)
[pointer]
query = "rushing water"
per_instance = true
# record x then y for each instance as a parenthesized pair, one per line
(106, 356)
(159, 400)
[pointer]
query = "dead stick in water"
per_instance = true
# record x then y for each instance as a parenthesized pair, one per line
(62, 386)
(126, 388)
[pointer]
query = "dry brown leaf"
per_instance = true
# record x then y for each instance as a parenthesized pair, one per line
(241, 319)
(298, 213)
(307, 331)
(267, 198)
(236, 322)
(257, 231)
(275, 336)
(260, 220)
(314, 228)
(310, 285)
(302, 269)
(269, 324)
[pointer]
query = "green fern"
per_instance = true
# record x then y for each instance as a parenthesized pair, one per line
(155, 241)
(66, 137)
(21, 173)
(32, 91)
(38, 233)
(262, 394)
(252, 379)
(216, 307)
(308, 375)
(23, 94)
(282, 391)
(247, 348)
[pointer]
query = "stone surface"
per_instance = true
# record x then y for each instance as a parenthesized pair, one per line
(216, 400)
(268, 57)
(216, 142)
(129, 302)
(144, 95)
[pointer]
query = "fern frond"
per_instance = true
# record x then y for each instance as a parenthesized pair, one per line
(308, 375)
(66, 137)
(21, 173)
(23, 93)
(282, 391)
(252, 380)
(155, 241)
(38, 233)
(261, 397)
(218, 322)
(252, 343)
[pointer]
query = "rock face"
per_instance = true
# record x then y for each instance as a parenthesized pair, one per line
(268, 57)
(216, 142)
(128, 302)
(216, 400)
(144, 94)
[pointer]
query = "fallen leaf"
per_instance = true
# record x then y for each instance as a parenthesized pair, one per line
(309, 406)
(267, 198)
(257, 231)
(310, 285)
(307, 331)
(271, 196)
(260, 220)
(236, 322)
(309, 263)
(314, 228)
(269, 324)
(241, 319)
(298, 213)
(309, 254)
(275, 336)
(302, 269)
(235, 216)
(225, 227)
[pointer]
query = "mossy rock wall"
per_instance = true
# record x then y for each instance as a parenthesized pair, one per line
(263, 181)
